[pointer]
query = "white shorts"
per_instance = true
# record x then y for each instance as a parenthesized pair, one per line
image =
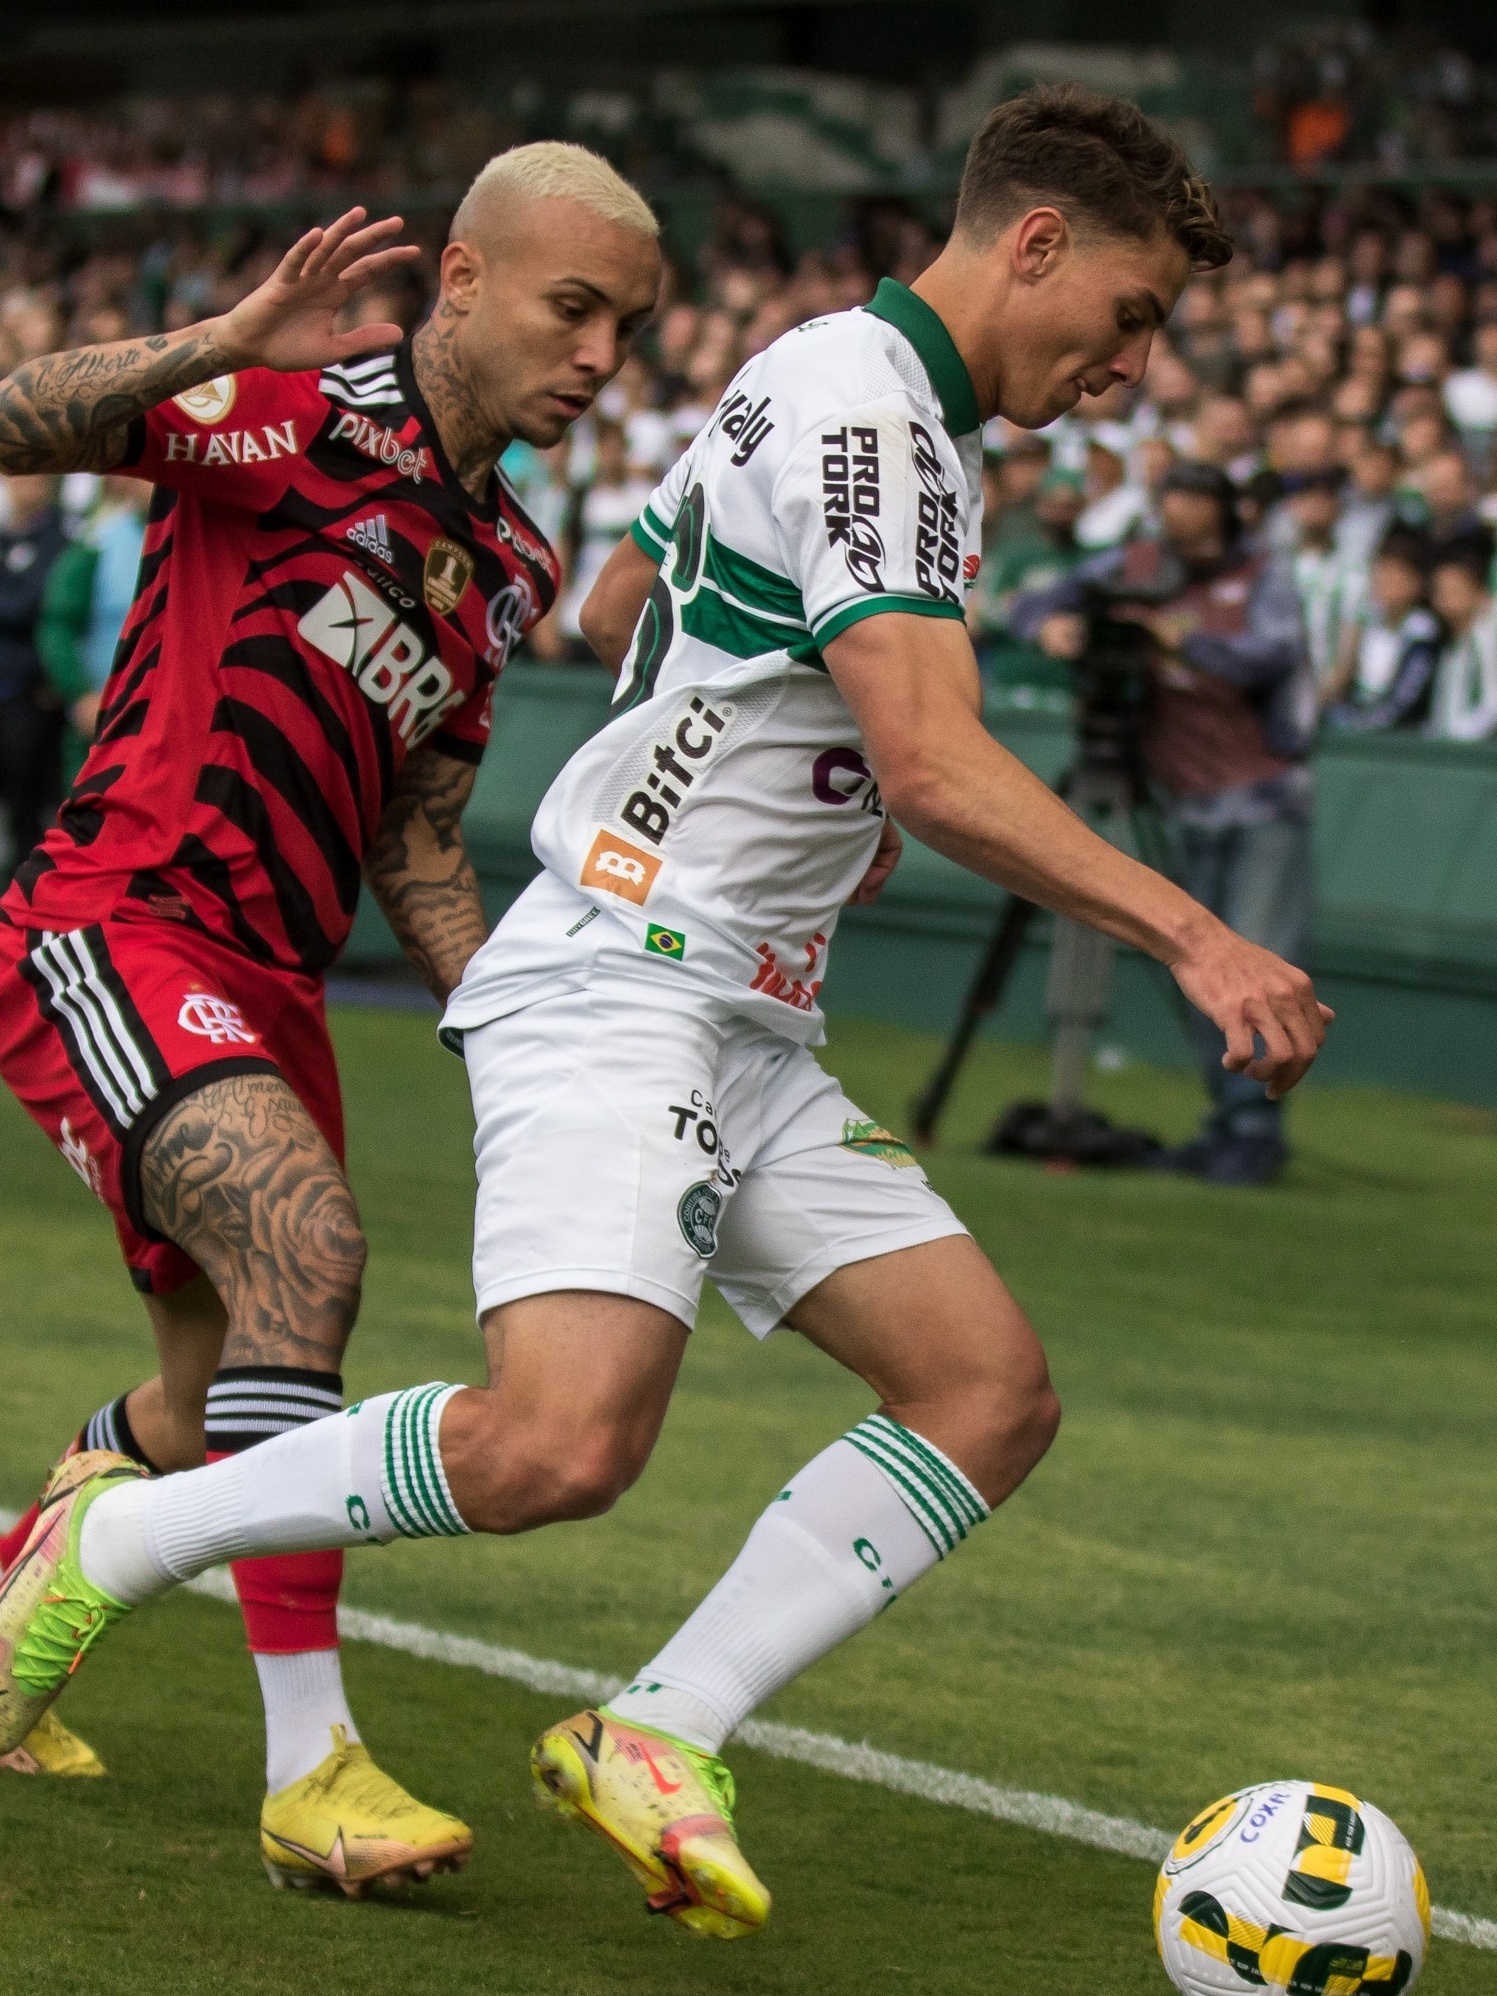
(634, 1148)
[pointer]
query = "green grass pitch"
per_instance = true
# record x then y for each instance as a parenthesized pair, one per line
(1262, 1546)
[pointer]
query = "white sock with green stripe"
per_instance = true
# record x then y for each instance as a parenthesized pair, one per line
(842, 1541)
(368, 1475)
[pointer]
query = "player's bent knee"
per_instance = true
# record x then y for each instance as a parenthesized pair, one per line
(592, 1482)
(521, 1484)
(331, 1253)
(1026, 1410)
(998, 1427)
(1042, 1422)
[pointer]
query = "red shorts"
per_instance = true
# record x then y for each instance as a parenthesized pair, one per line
(104, 1029)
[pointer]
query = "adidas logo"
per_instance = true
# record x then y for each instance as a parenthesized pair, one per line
(373, 537)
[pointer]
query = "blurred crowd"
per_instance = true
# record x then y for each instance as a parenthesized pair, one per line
(368, 137)
(1338, 91)
(1329, 92)
(1342, 371)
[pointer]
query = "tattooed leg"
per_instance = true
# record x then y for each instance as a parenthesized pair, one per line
(240, 1178)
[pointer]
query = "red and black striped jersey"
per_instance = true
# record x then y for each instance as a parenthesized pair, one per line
(318, 597)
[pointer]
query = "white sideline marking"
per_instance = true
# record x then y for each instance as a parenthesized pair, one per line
(1050, 1813)
(824, 1751)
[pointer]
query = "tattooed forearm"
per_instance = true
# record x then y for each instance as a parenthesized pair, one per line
(72, 411)
(420, 872)
(238, 1176)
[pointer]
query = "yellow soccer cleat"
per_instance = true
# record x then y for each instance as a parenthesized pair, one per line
(346, 1824)
(50, 1615)
(667, 1809)
(49, 1748)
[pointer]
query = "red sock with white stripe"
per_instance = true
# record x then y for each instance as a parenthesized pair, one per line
(289, 1600)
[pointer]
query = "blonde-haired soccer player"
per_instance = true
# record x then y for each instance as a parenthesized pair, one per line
(317, 698)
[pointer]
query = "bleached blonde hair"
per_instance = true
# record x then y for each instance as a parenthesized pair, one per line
(551, 167)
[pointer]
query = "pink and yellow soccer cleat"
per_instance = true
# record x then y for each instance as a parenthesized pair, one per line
(51, 1616)
(667, 1809)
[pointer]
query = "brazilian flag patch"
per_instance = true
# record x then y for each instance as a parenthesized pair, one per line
(664, 942)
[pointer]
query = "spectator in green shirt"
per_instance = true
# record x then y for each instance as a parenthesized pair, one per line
(1014, 563)
(1014, 465)
(87, 598)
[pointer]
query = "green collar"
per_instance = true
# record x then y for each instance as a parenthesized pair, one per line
(926, 332)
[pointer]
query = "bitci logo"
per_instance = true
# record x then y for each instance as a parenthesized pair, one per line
(215, 1019)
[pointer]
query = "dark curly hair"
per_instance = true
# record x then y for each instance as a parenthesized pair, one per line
(1099, 160)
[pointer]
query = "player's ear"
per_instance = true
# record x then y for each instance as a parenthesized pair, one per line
(1040, 239)
(462, 271)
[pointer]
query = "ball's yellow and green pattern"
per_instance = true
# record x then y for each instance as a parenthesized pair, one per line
(1294, 1887)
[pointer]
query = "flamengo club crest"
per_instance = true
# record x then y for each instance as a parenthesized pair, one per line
(448, 571)
(78, 1155)
(215, 1019)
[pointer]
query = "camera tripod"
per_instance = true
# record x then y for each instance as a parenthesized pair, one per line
(1105, 785)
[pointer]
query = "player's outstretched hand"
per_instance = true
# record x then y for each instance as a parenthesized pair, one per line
(290, 322)
(1254, 995)
(882, 864)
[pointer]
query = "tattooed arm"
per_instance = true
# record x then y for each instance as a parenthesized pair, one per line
(420, 872)
(72, 411)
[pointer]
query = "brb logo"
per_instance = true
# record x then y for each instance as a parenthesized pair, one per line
(358, 630)
(614, 866)
(215, 1019)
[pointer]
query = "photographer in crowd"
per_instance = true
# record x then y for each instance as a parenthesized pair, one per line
(1225, 734)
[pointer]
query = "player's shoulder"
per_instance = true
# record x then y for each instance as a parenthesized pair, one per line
(845, 362)
(369, 387)
(812, 380)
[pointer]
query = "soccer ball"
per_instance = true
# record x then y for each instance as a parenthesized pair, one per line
(1292, 1887)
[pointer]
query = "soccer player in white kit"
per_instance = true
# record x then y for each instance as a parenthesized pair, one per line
(638, 1029)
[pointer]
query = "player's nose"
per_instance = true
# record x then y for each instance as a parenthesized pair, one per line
(1130, 365)
(600, 352)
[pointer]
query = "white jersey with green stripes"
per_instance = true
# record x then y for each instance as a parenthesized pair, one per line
(710, 833)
